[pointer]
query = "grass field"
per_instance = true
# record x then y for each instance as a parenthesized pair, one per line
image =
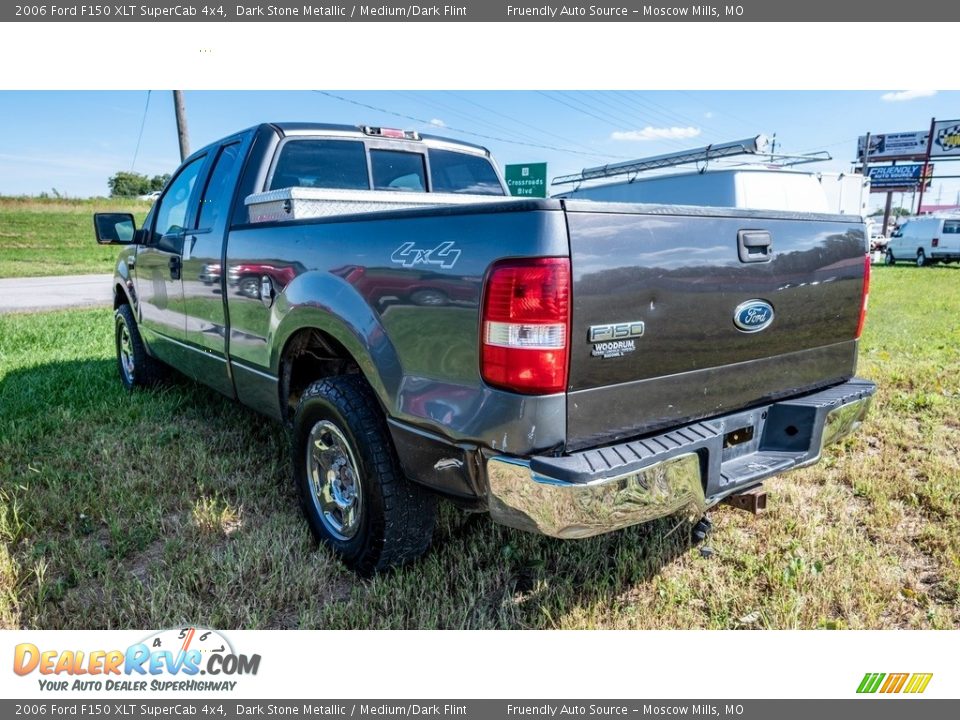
(174, 505)
(55, 237)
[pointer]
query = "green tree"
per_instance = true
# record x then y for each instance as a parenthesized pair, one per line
(158, 182)
(129, 184)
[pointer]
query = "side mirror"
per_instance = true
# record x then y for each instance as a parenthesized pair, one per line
(114, 228)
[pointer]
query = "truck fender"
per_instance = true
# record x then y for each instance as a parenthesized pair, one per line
(320, 301)
(124, 291)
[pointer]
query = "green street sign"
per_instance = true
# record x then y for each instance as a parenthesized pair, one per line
(529, 180)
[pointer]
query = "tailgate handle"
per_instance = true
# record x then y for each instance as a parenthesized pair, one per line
(754, 246)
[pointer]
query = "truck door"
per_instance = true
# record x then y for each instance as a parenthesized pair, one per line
(204, 282)
(159, 265)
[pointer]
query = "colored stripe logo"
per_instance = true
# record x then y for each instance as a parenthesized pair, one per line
(913, 683)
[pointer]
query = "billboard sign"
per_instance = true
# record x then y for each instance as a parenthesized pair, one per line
(946, 139)
(884, 178)
(890, 146)
(529, 180)
(913, 145)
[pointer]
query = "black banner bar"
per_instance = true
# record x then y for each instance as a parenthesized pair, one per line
(858, 11)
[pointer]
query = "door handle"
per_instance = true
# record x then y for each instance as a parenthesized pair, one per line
(754, 246)
(175, 267)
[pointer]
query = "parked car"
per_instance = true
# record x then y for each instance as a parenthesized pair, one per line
(589, 366)
(926, 240)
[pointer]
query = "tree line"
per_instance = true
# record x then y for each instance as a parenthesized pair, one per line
(131, 184)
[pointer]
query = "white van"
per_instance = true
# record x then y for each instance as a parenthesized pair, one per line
(755, 188)
(926, 240)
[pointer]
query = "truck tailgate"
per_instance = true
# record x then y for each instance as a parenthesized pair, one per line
(679, 272)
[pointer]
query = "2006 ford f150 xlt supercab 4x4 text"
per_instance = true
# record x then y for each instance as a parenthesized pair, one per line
(572, 367)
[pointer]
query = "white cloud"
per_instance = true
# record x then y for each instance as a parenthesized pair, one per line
(905, 95)
(656, 133)
(437, 122)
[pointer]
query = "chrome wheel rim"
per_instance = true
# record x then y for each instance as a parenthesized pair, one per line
(334, 480)
(125, 352)
(921, 259)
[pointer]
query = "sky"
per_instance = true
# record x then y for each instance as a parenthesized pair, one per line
(72, 141)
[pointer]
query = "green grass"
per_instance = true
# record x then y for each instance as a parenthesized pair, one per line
(175, 505)
(55, 236)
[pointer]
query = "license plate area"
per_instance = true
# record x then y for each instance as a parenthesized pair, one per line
(741, 434)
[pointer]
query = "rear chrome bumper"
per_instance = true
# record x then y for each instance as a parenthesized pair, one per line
(684, 470)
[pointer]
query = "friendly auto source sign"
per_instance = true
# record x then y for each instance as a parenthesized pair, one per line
(528, 180)
(885, 177)
(913, 145)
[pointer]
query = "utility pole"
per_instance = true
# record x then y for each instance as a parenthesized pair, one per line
(926, 163)
(183, 135)
(886, 208)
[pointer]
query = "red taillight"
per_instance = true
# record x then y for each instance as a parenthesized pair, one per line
(865, 295)
(525, 325)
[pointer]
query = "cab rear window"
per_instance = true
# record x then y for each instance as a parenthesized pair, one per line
(398, 170)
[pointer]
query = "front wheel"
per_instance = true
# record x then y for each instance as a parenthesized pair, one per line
(135, 367)
(353, 493)
(921, 258)
(889, 259)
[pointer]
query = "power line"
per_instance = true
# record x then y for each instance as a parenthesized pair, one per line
(448, 109)
(143, 122)
(528, 125)
(453, 129)
(608, 121)
(714, 109)
(667, 114)
(632, 121)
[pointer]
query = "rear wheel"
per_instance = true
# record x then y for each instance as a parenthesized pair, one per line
(353, 493)
(135, 367)
(889, 259)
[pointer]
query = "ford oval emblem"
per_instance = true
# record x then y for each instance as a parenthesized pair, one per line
(753, 316)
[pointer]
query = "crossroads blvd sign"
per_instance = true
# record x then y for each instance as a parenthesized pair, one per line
(528, 180)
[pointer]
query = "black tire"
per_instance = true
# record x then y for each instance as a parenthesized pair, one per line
(921, 258)
(135, 367)
(385, 522)
(889, 259)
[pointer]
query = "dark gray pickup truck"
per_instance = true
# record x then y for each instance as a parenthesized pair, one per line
(572, 367)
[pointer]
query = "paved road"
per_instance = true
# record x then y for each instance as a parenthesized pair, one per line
(51, 293)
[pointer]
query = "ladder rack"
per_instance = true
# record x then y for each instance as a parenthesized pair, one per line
(756, 145)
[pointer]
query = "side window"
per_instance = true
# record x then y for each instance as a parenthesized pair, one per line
(396, 170)
(951, 228)
(330, 164)
(216, 196)
(172, 212)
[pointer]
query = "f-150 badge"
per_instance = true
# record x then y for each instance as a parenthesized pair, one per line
(614, 339)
